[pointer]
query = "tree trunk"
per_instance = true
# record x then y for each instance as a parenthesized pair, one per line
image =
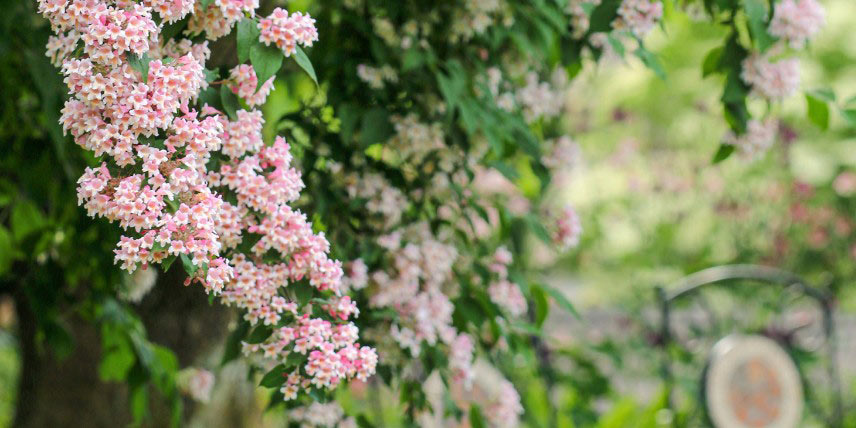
(68, 392)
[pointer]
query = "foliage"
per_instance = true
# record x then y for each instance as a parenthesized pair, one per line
(405, 110)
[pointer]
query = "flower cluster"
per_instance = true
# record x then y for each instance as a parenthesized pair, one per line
(759, 137)
(793, 22)
(505, 408)
(194, 184)
(218, 18)
(322, 415)
(579, 16)
(796, 21)
(503, 292)
(415, 287)
(638, 16)
(536, 99)
(377, 78)
(330, 351)
(244, 83)
(196, 383)
(771, 80)
(413, 140)
(381, 198)
(476, 17)
(567, 229)
(287, 31)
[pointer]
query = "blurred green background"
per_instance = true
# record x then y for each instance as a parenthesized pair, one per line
(654, 208)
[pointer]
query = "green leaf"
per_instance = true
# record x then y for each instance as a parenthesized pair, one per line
(6, 249)
(167, 262)
(259, 334)
(140, 64)
(205, 3)
(850, 116)
(274, 378)
(266, 61)
(412, 59)
(247, 36)
(725, 150)
(349, 117)
(603, 15)
(538, 229)
(115, 364)
(295, 360)
(189, 267)
(211, 75)
(542, 306)
(171, 30)
(756, 12)
(476, 417)
(561, 300)
(507, 170)
(230, 102)
(233, 342)
(711, 62)
(139, 403)
(616, 44)
(818, 111)
(304, 63)
(303, 292)
(26, 219)
(375, 127)
(824, 94)
(650, 60)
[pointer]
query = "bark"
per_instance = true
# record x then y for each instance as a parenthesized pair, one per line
(68, 392)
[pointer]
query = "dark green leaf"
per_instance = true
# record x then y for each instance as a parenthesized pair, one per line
(304, 63)
(756, 12)
(266, 61)
(167, 262)
(561, 300)
(233, 342)
(303, 292)
(274, 378)
(259, 334)
(230, 102)
(211, 75)
(189, 267)
(140, 64)
(603, 15)
(711, 62)
(26, 219)
(542, 306)
(6, 249)
(295, 360)
(724, 151)
(507, 170)
(375, 127)
(247, 36)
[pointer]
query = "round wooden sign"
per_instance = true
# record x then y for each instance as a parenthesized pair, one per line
(751, 382)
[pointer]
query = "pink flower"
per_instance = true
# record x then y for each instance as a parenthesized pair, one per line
(772, 80)
(567, 229)
(287, 31)
(796, 21)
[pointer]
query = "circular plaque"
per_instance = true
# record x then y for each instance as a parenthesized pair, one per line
(751, 382)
